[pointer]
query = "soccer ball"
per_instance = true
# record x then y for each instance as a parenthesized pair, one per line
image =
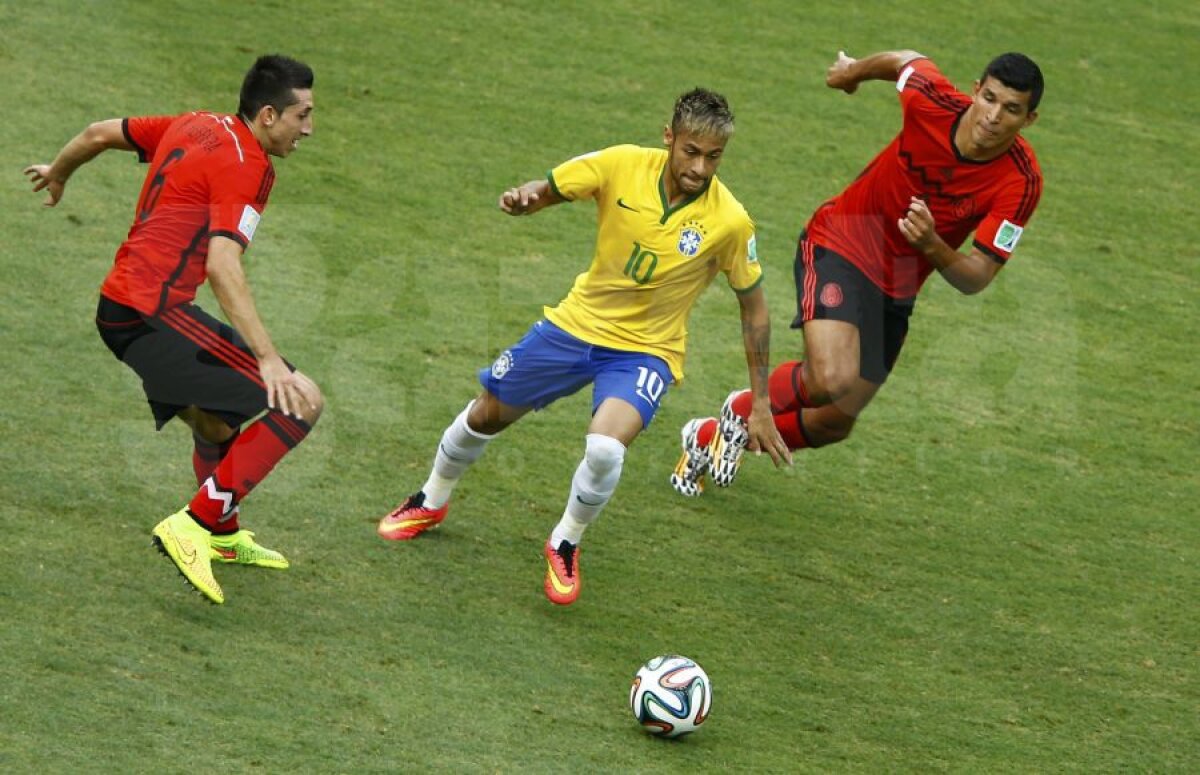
(671, 696)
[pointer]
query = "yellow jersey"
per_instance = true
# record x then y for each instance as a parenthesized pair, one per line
(652, 261)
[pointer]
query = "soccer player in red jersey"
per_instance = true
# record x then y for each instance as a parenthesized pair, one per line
(209, 179)
(959, 165)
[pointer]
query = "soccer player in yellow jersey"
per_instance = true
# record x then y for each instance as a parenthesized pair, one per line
(666, 227)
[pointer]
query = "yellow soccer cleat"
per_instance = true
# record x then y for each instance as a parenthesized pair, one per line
(187, 544)
(240, 547)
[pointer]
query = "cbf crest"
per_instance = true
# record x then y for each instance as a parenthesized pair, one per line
(691, 236)
(502, 364)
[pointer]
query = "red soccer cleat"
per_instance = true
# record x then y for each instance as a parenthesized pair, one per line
(562, 573)
(410, 519)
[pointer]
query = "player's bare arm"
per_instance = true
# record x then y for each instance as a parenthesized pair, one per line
(967, 272)
(756, 336)
(846, 73)
(92, 141)
(529, 198)
(290, 392)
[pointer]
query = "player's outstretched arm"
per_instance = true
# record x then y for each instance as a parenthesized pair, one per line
(756, 335)
(529, 198)
(85, 146)
(967, 272)
(846, 73)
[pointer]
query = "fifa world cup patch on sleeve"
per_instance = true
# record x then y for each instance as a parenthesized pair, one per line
(249, 222)
(751, 250)
(1007, 236)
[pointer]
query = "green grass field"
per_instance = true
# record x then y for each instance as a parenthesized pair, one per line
(998, 573)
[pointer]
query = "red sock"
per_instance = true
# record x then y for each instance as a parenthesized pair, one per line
(791, 427)
(206, 455)
(249, 460)
(706, 431)
(787, 388)
(742, 404)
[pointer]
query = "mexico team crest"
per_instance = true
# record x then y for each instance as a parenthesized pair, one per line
(963, 207)
(831, 295)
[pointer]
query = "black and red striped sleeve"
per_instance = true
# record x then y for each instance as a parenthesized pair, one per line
(1017, 197)
(924, 89)
(239, 196)
(145, 132)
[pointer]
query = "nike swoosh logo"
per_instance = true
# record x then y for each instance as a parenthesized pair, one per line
(622, 205)
(559, 587)
(585, 503)
(413, 522)
(187, 551)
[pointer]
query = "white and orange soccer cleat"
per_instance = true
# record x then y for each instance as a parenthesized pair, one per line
(693, 465)
(733, 436)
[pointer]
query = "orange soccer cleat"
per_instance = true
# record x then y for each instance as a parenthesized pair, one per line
(410, 519)
(562, 573)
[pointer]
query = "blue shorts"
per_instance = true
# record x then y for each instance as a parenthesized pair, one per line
(548, 363)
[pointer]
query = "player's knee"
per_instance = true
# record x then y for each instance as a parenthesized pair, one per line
(209, 427)
(841, 433)
(218, 433)
(836, 428)
(834, 379)
(314, 405)
(488, 415)
(605, 455)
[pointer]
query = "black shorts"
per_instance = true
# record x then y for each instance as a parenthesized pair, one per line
(185, 357)
(828, 287)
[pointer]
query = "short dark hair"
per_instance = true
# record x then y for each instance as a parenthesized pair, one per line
(1017, 71)
(270, 82)
(703, 112)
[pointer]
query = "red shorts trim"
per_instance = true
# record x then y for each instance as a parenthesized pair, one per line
(828, 287)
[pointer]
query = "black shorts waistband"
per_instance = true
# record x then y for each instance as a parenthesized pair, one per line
(113, 314)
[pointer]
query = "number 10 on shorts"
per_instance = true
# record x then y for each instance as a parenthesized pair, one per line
(650, 385)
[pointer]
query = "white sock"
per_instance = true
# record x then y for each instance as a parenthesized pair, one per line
(568, 529)
(593, 484)
(459, 448)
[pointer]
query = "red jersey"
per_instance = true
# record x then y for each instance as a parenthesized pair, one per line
(208, 177)
(994, 198)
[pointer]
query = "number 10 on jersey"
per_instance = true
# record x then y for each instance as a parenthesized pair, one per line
(641, 265)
